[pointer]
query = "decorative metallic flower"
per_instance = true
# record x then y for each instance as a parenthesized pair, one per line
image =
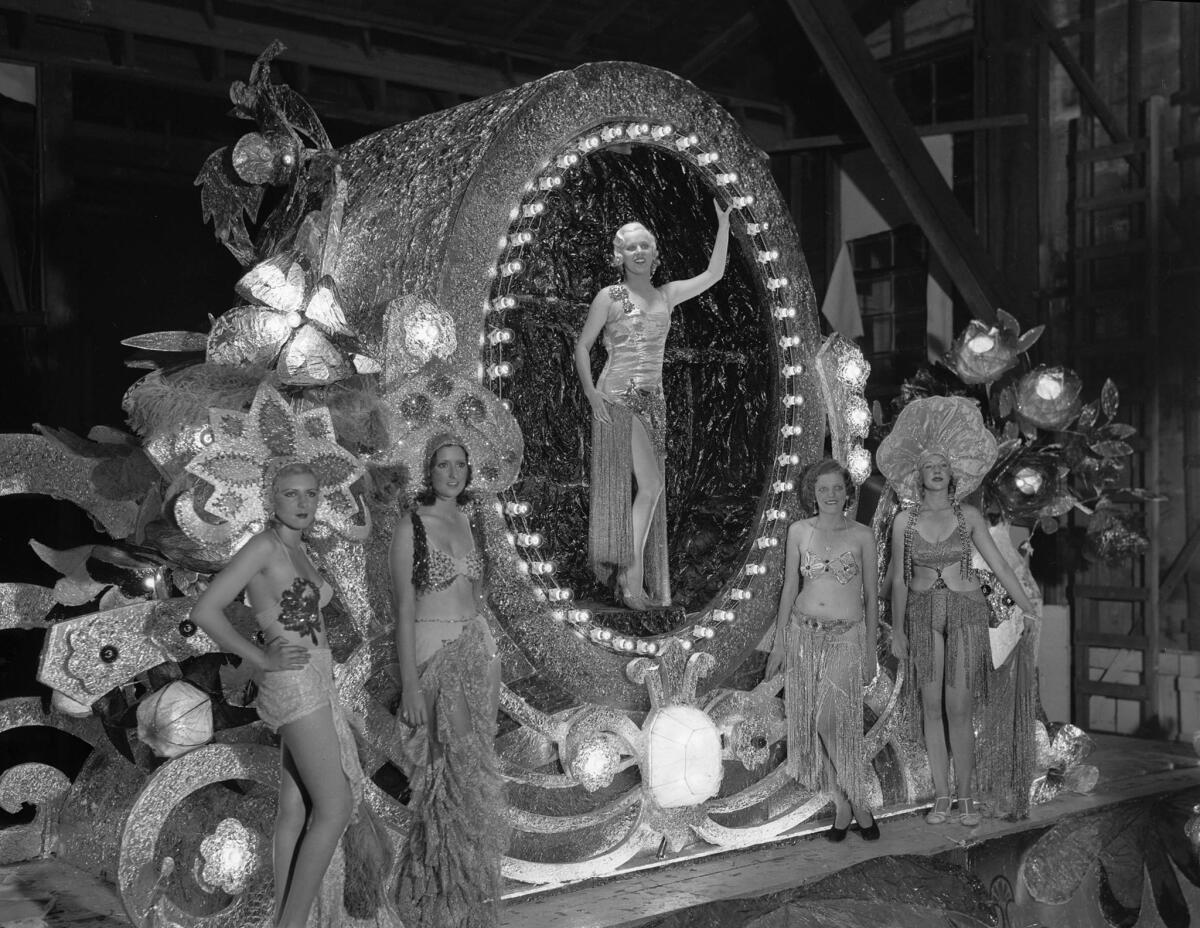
(595, 761)
(1061, 756)
(415, 332)
(292, 323)
(1023, 484)
(246, 450)
(231, 854)
(1048, 397)
(982, 353)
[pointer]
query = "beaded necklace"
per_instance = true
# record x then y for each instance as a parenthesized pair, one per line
(964, 541)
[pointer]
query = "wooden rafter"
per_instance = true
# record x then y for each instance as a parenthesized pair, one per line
(616, 9)
(895, 141)
(737, 33)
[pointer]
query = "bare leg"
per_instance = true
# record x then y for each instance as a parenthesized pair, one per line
(649, 489)
(290, 817)
(959, 714)
(314, 747)
(931, 710)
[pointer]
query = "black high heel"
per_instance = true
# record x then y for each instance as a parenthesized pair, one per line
(836, 834)
(871, 833)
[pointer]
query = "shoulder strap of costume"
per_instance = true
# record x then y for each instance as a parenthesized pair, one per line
(420, 570)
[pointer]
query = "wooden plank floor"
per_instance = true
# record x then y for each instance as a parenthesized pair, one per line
(50, 894)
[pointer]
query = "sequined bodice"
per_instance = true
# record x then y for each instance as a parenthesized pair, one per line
(299, 609)
(936, 555)
(445, 568)
(433, 569)
(635, 340)
(842, 568)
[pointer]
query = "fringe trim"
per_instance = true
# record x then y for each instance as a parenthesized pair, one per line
(962, 619)
(449, 873)
(610, 528)
(823, 667)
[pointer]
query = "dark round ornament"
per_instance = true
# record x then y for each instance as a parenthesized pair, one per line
(109, 654)
(187, 628)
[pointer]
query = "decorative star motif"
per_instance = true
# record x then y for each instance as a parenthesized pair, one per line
(246, 449)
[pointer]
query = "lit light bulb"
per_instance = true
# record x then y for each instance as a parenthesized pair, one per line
(702, 631)
(685, 643)
(608, 133)
(772, 515)
(757, 228)
(722, 615)
(501, 303)
(661, 132)
(792, 370)
(503, 369)
(684, 142)
(784, 312)
(708, 157)
(500, 336)
(776, 283)
(517, 239)
(768, 541)
(756, 570)
(858, 462)
(789, 341)
(767, 256)
(791, 431)
(783, 486)
(741, 202)
(531, 210)
(793, 399)
(569, 160)
(558, 615)
(727, 177)
(591, 143)
(550, 182)
(786, 459)
(528, 539)
(578, 616)
(517, 508)
(559, 594)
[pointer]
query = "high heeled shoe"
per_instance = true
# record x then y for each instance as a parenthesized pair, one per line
(940, 813)
(637, 600)
(969, 813)
(870, 832)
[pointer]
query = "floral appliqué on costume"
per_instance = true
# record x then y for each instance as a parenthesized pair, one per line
(300, 608)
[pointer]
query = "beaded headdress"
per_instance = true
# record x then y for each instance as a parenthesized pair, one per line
(438, 405)
(242, 453)
(949, 426)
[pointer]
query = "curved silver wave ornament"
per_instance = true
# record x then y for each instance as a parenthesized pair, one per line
(34, 464)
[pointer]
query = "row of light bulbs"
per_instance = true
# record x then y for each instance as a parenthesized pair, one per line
(509, 266)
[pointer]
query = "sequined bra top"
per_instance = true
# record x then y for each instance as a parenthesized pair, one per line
(299, 607)
(635, 341)
(433, 569)
(842, 568)
(936, 555)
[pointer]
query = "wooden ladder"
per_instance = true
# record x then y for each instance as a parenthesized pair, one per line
(1115, 317)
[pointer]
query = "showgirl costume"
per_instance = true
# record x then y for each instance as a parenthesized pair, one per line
(352, 890)
(632, 380)
(450, 864)
(824, 676)
(952, 428)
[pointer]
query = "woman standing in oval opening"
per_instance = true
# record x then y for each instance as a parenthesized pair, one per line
(825, 639)
(629, 412)
(450, 681)
(938, 451)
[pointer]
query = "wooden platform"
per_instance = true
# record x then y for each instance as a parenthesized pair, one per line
(49, 894)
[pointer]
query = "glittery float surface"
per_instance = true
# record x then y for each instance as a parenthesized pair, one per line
(468, 245)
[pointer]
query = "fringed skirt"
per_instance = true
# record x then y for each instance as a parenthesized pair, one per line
(450, 862)
(824, 680)
(1003, 700)
(610, 529)
(353, 889)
